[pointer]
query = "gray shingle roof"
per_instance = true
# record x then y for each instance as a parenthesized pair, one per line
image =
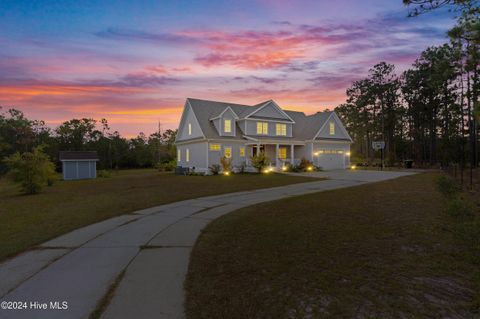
(305, 127)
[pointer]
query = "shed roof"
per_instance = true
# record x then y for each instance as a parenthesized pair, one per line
(78, 155)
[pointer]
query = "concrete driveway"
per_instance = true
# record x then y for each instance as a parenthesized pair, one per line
(140, 258)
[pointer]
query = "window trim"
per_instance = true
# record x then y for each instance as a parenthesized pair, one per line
(262, 128)
(225, 151)
(215, 149)
(225, 126)
(331, 128)
(281, 129)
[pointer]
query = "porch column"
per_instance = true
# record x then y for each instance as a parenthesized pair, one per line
(277, 161)
(292, 157)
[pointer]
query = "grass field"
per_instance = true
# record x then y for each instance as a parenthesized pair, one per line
(30, 220)
(383, 250)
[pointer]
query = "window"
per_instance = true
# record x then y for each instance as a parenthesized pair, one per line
(227, 126)
(214, 147)
(332, 128)
(242, 151)
(189, 128)
(228, 152)
(281, 129)
(179, 157)
(282, 153)
(262, 128)
(187, 155)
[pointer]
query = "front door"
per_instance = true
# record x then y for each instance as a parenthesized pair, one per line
(255, 151)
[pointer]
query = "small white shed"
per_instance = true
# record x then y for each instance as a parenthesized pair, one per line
(79, 164)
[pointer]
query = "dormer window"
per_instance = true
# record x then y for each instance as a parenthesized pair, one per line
(189, 128)
(227, 126)
(262, 128)
(332, 128)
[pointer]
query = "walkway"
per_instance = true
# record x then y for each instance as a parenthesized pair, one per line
(141, 258)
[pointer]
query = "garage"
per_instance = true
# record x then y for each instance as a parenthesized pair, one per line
(330, 159)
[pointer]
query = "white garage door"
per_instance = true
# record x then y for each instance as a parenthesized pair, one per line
(328, 159)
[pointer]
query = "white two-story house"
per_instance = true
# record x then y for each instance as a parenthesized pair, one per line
(209, 130)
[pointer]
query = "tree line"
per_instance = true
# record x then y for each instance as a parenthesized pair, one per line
(428, 113)
(18, 134)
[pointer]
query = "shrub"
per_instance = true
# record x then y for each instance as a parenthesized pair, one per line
(226, 164)
(446, 186)
(215, 169)
(305, 164)
(32, 170)
(167, 166)
(457, 207)
(260, 161)
(103, 173)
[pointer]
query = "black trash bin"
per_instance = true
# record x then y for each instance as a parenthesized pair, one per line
(408, 163)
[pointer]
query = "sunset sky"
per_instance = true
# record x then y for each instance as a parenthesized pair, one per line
(135, 62)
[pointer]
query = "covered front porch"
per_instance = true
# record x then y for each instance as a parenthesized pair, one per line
(279, 153)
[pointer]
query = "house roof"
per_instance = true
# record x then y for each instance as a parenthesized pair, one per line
(78, 155)
(305, 126)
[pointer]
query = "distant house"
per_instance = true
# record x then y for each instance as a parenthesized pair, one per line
(209, 130)
(79, 165)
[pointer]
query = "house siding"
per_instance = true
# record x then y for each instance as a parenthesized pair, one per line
(251, 128)
(339, 133)
(197, 154)
(189, 117)
(237, 160)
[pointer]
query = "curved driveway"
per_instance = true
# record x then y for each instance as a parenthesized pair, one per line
(140, 258)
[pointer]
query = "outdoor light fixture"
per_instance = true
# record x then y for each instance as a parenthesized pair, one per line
(270, 169)
(347, 153)
(284, 168)
(310, 168)
(226, 173)
(353, 167)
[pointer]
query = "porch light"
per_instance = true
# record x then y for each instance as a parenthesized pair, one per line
(310, 168)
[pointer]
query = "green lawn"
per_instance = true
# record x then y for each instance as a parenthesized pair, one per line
(30, 220)
(383, 250)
